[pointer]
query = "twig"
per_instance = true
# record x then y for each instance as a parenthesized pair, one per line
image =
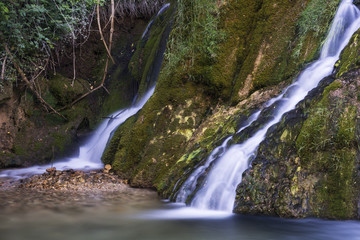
(42, 70)
(89, 92)
(100, 31)
(3, 68)
(106, 64)
(29, 84)
(89, 29)
(106, 90)
(73, 42)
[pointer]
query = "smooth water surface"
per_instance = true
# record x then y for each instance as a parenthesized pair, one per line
(30, 215)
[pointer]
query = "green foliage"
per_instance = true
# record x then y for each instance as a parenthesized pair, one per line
(32, 28)
(349, 58)
(195, 35)
(32, 25)
(315, 20)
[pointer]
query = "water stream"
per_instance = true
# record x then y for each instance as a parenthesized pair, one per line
(219, 189)
(139, 214)
(89, 157)
(90, 153)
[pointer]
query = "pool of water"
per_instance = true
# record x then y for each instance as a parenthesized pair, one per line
(140, 214)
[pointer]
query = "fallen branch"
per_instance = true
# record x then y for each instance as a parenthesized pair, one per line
(29, 84)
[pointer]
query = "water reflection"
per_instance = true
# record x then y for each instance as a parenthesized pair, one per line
(129, 214)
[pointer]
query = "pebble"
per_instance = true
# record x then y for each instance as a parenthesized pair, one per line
(71, 180)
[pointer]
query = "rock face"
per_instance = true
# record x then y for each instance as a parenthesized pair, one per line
(223, 61)
(308, 165)
(212, 80)
(29, 135)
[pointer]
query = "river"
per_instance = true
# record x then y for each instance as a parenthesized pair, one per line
(140, 214)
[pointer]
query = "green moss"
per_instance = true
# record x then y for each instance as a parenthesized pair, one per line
(326, 146)
(349, 58)
(345, 136)
(313, 24)
(318, 131)
(145, 63)
(61, 141)
(189, 157)
(61, 89)
(337, 190)
(19, 150)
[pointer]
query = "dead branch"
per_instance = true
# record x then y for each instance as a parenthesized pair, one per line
(106, 64)
(29, 84)
(43, 68)
(89, 29)
(74, 61)
(3, 68)
(89, 92)
(100, 31)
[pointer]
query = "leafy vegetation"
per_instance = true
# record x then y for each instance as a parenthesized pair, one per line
(195, 35)
(36, 29)
(315, 20)
(33, 28)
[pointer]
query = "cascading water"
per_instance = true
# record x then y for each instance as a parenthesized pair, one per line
(190, 184)
(90, 153)
(166, 6)
(219, 189)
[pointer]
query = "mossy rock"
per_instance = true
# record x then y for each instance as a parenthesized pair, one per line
(313, 149)
(61, 88)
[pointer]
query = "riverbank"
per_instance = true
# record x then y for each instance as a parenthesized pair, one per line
(68, 190)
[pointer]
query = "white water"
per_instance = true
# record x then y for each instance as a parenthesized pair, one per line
(90, 153)
(166, 6)
(219, 190)
(190, 184)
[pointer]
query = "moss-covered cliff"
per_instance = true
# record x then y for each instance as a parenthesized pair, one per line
(224, 60)
(309, 163)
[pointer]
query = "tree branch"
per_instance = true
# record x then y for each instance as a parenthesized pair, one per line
(101, 33)
(3, 68)
(106, 64)
(29, 84)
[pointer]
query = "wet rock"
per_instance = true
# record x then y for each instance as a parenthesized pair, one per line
(307, 166)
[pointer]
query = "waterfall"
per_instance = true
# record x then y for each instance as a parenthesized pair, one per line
(166, 6)
(90, 153)
(219, 189)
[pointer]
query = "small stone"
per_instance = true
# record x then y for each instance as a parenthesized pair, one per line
(50, 170)
(108, 167)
